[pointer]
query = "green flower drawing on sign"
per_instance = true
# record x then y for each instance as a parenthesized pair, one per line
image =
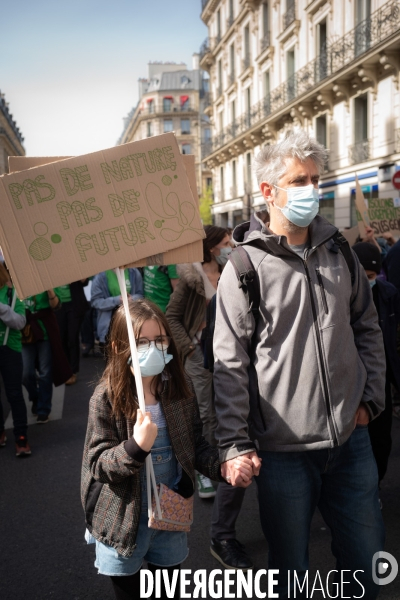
(177, 217)
(40, 249)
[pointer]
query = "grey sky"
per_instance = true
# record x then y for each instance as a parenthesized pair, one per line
(69, 69)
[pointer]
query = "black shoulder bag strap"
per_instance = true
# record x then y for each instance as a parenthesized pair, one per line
(247, 279)
(343, 245)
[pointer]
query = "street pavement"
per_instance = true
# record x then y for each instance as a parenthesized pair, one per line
(43, 554)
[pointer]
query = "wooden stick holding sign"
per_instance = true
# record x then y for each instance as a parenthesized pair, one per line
(362, 209)
(139, 388)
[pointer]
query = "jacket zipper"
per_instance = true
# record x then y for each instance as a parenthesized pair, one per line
(321, 286)
(321, 358)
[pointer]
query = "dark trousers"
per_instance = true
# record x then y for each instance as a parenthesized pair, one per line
(11, 372)
(380, 433)
(70, 324)
(226, 509)
(37, 356)
(88, 327)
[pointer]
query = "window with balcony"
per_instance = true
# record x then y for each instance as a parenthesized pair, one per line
(221, 120)
(168, 126)
(186, 149)
(149, 128)
(150, 106)
(233, 110)
(265, 39)
(248, 174)
(321, 62)
(246, 37)
(234, 180)
(362, 31)
(219, 89)
(185, 125)
(247, 104)
(221, 184)
(290, 74)
(218, 25)
(231, 16)
(320, 130)
(207, 135)
(360, 151)
(290, 15)
(167, 104)
(231, 64)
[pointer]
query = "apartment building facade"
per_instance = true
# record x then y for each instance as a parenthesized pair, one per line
(172, 98)
(10, 136)
(328, 66)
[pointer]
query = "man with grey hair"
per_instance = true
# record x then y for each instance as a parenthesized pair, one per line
(296, 386)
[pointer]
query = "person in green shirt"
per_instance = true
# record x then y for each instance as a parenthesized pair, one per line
(38, 355)
(159, 283)
(12, 320)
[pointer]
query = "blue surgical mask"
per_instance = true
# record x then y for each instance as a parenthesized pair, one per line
(372, 282)
(223, 258)
(302, 204)
(153, 361)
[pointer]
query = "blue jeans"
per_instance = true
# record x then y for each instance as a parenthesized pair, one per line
(11, 371)
(38, 355)
(343, 483)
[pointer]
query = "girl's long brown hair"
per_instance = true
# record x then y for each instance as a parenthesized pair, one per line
(118, 378)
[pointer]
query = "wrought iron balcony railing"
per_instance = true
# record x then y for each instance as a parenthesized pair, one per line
(381, 24)
(265, 41)
(360, 152)
(289, 16)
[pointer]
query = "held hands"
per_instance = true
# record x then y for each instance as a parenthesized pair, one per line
(239, 470)
(144, 431)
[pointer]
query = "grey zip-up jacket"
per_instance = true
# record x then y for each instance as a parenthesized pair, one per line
(318, 349)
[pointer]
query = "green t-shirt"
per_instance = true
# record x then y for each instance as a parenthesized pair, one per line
(157, 284)
(113, 284)
(64, 293)
(14, 336)
(35, 303)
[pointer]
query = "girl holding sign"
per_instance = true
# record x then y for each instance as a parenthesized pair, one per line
(120, 437)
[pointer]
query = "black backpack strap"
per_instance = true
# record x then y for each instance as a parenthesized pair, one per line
(343, 245)
(247, 279)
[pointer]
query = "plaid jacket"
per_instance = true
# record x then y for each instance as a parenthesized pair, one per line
(110, 483)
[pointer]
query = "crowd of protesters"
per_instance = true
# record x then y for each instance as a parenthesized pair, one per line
(297, 389)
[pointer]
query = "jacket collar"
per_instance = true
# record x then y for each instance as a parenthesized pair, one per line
(320, 232)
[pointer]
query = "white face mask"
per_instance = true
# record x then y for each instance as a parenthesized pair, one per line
(302, 204)
(223, 258)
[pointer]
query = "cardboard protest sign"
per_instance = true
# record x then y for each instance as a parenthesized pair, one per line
(188, 253)
(351, 235)
(74, 218)
(362, 209)
(383, 217)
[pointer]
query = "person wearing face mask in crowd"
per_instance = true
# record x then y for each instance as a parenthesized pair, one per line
(296, 386)
(186, 314)
(387, 303)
